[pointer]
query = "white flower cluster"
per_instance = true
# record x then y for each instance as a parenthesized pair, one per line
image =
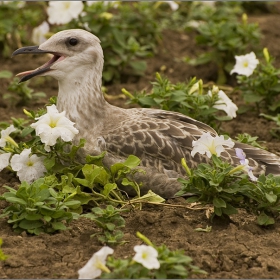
(145, 255)
(62, 12)
(209, 145)
(49, 128)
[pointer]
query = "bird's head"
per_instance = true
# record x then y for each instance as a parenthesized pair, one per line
(71, 49)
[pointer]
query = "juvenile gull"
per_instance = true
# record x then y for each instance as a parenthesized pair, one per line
(159, 138)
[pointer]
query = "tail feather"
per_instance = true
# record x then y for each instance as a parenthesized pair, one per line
(261, 160)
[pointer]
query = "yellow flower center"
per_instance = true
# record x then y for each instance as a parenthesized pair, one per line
(245, 63)
(53, 123)
(66, 5)
(29, 163)
(144, 255)
(212, 148)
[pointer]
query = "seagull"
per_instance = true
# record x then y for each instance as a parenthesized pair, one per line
(159, 138)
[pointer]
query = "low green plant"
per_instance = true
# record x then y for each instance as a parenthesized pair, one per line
(216, 183)
(173, 265)
(265, 197)
(66, 185)
(126, 38)
(275, 130)
(227, 188)
(16, 19)
(190, 98)
(37, 208)
(262, 88)
(3, 257)
(19, 93)
(110, 222)
(220, 29)
(250, 140)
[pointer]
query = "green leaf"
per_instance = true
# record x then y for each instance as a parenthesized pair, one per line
(97, 160)
(47, 218)
(219, 202)
(132, 162)
(272, 198)
(58, 226)
(218, 211)
(110, 226)
(72, 204)
(108, 188)
(138, 66)
(25, 224)
(83, 182)
(33, 217)
(150, 197)
(265, 220)
(26, 131)
(6, 74)
(229, 210)
(49, 162)
(16, 200)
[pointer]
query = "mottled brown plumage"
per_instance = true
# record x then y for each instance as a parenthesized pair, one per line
(159, 138)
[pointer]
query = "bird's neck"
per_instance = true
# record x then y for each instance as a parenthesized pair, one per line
(80, 95)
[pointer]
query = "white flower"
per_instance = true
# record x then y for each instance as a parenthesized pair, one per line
(245, 64)
(20, 4)
(173, 5)
(4, 160)
(194, 23)
(96, 264)
(53, 125)
(39, 33)
(5, 136)
(147, 256)
(61, 12)
(209, 145)
(245, 162)
(114, 4)
(29, 168)
(225, 104)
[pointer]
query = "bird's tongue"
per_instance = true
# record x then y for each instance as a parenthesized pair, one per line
(25, 73)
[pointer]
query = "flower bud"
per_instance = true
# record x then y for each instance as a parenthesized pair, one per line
(244, 18)
(266, 55)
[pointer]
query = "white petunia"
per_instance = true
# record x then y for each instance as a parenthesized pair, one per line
(53, 125)
(5, 136)
(29, 168)
(209, 145)
(225, 104)
(96, 264)
(19, 4)
(173, 5)
(4, 160)
(39, 33)
(114, 4)
(61, 12)
(245, 162)
(245, 64)
(147, 256)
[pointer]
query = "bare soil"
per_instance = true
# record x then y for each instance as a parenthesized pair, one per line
(236, 248)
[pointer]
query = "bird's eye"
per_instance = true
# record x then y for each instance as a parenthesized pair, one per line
(73, 41)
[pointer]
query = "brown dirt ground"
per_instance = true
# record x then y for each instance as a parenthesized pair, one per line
(233, 249)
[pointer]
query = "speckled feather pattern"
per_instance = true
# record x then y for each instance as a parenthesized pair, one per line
(159, 138)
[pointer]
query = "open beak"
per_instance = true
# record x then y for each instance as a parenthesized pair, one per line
(40, 70)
